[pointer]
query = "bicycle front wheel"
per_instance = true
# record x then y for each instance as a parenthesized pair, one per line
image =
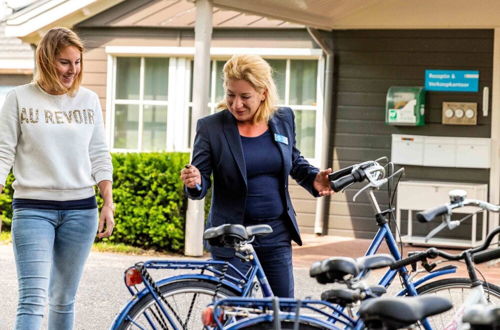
(186, 300)
(456, 290)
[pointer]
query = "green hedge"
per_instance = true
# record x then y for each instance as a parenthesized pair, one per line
(149, 198)
(6, 203)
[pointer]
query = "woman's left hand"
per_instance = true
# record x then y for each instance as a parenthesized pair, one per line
(322, 184)
(106, 221)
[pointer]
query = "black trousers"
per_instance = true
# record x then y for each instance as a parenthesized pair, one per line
(277, 264)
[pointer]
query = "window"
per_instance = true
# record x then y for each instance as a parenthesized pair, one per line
(296, 81)
(151, 101)
(145, 100)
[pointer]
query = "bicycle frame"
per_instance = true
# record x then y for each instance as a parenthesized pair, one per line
(242, 285)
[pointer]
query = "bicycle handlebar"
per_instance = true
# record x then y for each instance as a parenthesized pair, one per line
(485, 256)
(431, 214)
(477, 255)
(344, 180)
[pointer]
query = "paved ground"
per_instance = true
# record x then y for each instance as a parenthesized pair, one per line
(102, 291)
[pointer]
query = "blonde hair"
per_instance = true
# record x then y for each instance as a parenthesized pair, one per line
(258, 73)
(51, 45)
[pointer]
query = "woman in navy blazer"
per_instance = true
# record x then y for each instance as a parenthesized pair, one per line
(250, 150)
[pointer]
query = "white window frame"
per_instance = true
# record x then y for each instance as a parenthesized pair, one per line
(177, 122)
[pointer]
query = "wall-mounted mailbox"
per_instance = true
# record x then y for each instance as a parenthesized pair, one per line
(405, 106)
(441, 151)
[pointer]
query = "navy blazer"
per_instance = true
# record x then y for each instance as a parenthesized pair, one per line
(218, 150)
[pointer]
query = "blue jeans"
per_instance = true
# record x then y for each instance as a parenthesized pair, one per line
(51, 247)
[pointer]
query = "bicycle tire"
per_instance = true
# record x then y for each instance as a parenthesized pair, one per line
(285, 325)
(180, 295)
(455, 289)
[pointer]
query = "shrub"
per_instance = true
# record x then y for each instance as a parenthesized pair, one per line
(6, 204)
(149, 198)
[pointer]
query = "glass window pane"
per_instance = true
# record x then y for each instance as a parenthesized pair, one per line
(127, 77)
(303, 77)
(219, 81)
(156, 78)
(126, 126)
(154, 133)
(279, 76)
(305, 126)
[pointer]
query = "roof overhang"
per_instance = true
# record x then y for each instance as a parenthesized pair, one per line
(31, 22)
(376, 14)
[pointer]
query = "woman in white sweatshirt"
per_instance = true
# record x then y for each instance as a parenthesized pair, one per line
(52, 135)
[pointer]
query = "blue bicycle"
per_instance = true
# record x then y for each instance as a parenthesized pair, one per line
(176, 302)
(285, 313)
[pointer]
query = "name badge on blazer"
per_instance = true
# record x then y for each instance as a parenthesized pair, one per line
(281, 138)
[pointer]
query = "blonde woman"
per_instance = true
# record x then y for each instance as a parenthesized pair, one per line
(249, 148)
(52, 134)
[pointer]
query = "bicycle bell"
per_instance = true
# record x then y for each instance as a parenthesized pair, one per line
(457, 195)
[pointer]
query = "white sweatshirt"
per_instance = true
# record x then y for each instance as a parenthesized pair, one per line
(56, 144)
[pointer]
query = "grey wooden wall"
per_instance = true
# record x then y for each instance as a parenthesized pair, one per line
(367, 63)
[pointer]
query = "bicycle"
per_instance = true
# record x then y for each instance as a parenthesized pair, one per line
(175, 302)
(371, 171)
(375, 313)
(216, 285)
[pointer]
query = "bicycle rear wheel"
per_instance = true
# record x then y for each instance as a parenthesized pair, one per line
(187, 298)
(456, 290)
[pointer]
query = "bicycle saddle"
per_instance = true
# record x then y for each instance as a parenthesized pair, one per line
(225, 235)
(345, 296)
(259, 230)
(340, 269)
(483, 317)
(400, 312)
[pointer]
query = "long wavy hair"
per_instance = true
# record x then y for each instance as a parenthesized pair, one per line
(51, 45)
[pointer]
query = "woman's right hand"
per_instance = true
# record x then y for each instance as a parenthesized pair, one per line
(191, 176)
(1, 188)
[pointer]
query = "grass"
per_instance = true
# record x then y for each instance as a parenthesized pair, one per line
(121, 248)
(5, 237)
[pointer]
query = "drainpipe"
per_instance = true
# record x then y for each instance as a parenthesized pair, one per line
(321, 203)
(195, 215)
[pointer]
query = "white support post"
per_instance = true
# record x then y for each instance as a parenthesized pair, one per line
(495, 133)
(195, 216)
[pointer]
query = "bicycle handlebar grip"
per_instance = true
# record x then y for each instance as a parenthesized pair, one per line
(429, 215)
(339, 184)
(408, 261)
(340, 173)
(485, 256)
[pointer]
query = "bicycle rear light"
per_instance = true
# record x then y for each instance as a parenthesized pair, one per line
(207, 317)
(133, 276)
